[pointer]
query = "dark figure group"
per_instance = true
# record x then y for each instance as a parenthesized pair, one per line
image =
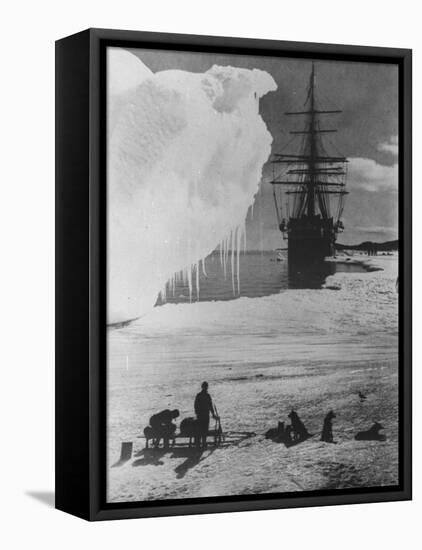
(293, 433)
(281, 434)
(161, 425)
(297, 431)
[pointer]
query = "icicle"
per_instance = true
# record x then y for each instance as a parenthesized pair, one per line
(197, 281)
(195, 267)
(204, 271)
(224, 245)
(232, 259)
(239, 237)
(189, 278)
(226, 248)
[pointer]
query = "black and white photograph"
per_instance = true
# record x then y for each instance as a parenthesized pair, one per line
(208, 251)
(210, 235)
(252, 275)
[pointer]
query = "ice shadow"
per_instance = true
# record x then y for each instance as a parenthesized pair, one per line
(153, 456)
(125, 454)
(193, 457)
(120, 462)
(150, 457)
(45, 497)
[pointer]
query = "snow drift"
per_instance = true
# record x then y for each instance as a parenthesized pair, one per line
(185, 156)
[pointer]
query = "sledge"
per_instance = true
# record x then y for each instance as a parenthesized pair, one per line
(184, 439)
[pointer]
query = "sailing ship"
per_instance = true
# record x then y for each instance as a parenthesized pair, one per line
(312, 181)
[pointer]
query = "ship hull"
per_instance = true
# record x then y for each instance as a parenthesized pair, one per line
(310, 239)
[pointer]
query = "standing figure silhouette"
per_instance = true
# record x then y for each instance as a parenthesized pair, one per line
(203, 408)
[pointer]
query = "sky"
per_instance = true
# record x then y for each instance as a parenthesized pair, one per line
(367, 131)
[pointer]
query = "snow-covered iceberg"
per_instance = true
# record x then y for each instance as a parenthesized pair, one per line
(185, 157)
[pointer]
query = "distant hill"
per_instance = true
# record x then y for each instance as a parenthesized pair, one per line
(388, 246)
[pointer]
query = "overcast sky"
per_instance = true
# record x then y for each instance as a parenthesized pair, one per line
(367, 94)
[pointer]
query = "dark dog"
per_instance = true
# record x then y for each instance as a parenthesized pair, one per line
(372, 434)
(281, 434)
(299, 430)
(288, 435)
(276, 434)
(189, 428)
(327, 428)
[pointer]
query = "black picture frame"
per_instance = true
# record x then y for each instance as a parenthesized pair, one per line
(81, 272)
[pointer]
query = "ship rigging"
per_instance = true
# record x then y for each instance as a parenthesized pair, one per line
(312, 183)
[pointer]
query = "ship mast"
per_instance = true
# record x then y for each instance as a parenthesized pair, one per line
(312, 146)
(317, 173)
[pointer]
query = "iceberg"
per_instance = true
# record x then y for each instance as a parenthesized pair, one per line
(184, 162)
